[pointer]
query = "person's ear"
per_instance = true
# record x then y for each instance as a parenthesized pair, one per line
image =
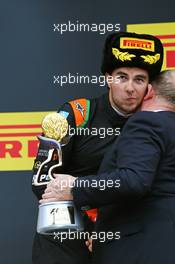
(150, 92)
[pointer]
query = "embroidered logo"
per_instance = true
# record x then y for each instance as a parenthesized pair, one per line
(80, 108)
(134, 43)
(151, 59)
(123, 56)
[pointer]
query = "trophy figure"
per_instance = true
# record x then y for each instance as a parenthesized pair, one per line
(59, 216)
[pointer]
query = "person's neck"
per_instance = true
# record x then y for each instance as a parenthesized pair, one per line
(157, 104)
(121, 113)
(118, 110)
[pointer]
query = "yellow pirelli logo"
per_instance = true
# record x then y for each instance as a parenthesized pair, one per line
(134, 43)
(18, 139)
(163, 31)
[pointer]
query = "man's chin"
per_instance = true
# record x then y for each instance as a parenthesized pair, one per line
(131, 110)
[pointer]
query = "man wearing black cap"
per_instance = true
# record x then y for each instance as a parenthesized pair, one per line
(130, 62)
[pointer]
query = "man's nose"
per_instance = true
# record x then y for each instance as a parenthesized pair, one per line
(129, 87)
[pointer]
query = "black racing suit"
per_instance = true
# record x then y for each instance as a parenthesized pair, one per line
(81, 156)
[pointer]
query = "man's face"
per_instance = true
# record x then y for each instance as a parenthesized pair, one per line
(127, 87)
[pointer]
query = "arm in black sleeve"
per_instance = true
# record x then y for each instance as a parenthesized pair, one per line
(135, 159)
(42, 154)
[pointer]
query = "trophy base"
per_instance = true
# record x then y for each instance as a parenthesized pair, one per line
(57, 217)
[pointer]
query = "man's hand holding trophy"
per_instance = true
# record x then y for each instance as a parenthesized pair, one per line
(57, 212)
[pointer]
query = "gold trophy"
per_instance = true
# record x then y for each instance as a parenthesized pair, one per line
(57, 216)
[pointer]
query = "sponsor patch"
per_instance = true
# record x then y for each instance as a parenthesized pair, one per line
(134, 43)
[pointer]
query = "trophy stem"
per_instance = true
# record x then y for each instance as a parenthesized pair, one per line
(59, 152)
(36, 177)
